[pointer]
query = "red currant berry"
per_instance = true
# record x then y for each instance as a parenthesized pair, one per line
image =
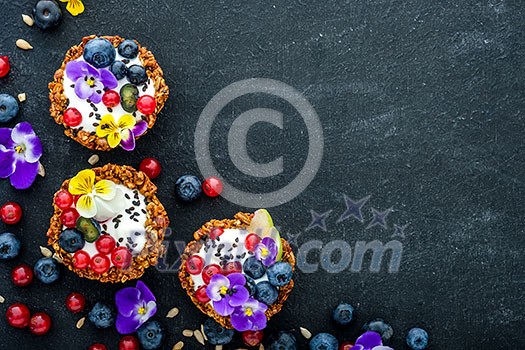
(128, 342)
(63, 199)
(252, 338)
(209, 271)
(4, 66)
(11, 213)
(111, 98)
(72, 117)
(18, 315)
(81, 259)
(105, 244)
(100, 263)
(75, 302)
(216, 232)
(146, 104)
(201, 295)
(346, 345)
(150, 167)
(194, 265)
(22, 275)
(232, 267)
(69, 217)
(40, 323)
(121, 257)
(212, 186)
(97, 347)
(251, 241)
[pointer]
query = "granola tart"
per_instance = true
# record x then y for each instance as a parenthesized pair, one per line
(108, 224)
(238, 271)
(107, 93)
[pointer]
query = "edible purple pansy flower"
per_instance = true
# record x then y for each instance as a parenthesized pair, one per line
(266, 251)
(227, 292)
(20, 151)
(250, 316)
(369, 341)
(135, 306)
(90, 81)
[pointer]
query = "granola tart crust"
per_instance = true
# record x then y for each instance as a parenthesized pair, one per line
(156, 224)
(59, 102)
(240, 221)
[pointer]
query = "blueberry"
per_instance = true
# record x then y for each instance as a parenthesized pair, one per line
(119, 69)
(128, 48)
(282, 341)
(253, 268)
(280, 274)
(216, 334)
(9, 246)
(150, 335)
(47, 14)
(8, 108)
(102, 316)
(99, 52)
(47, 270)
(379, 326)
(251, 285)
(188, 188)
(266, 293)
(137, 74)
(71, 240)
(343, 313)
(417, 339)
(324, 341)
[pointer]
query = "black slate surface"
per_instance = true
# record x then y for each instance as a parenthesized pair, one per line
(421, 104)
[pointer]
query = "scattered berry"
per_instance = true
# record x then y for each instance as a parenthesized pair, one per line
(99, 52)
(216, 232)
(101, 316)
(151, 167)
(209, 271)
(146, 104)
(18, 315)
(417, 339)
(111, 98)
(343, 313)
(105, 244)
(232, 267)
(119, 70)
(81, 259)
(69, 217)
(63, 199)
(22, 275)
(4, 66)
(323, 341)
(216, 334)
(346, 345)
(280, 273)
(11, 213)
(253, 268)
(8, 108)
(128, 342)
(188, 188)
(194, 265)
(98, 347)
(252, 338)
(47, 14)
(137, 74)
(40, 323)
(251, 241)
(283, 341)
(128, 49)
(71, 240)
(121, 257)
(9, 246)
(47, 270)
(150, 335)
(266, 293)
(100, 264)
(212, 186)
(379, 326)
(75, 302)
(72, 117)
(90, 228)
(201, 295)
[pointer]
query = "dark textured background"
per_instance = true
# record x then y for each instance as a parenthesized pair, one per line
(421, 104)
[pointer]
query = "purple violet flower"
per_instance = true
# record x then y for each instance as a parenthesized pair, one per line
(227, 292)
(250, 316)
(369, 341)
(90, 81)
(266, 251)
(135, 306)
(20, 151)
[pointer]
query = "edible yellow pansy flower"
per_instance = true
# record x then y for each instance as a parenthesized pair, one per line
(118, 133)
(75, 7)
(90, 192)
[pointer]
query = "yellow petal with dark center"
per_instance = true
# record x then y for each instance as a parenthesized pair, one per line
(127, 121)
(107, 126)
(86, 206)
(75, 7)
(106, 189)
(82, 183)
(114, 139)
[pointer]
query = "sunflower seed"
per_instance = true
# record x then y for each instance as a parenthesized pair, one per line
(172, 313)
(93, 159)
(2, 299)
(24, 45)
(28, 20)
(41, 170)
(305, 333)
(198, 335)
(218, 347)
(80, 322)
(261, 347)
(57, 258)
(22, 97)
(187, 333)
(178, 346)
(203, 334)
(46, 252)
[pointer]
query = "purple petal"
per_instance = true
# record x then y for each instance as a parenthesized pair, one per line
(223, 307)
(76, 70)
(5, 137)
(369, 340)
(258, 320)
(140, 128)
(145, 292)
(33, 150)
(128, 140)
(128, 301)
(24, 174)
(7, 163)
(108, 79)
(240, 321)
(240, 296)
(357, 347)
(82, 89)
(236, 279)
(95, 97)
(92, 71)
(126, 325)
(21, 131)
(220, 280)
